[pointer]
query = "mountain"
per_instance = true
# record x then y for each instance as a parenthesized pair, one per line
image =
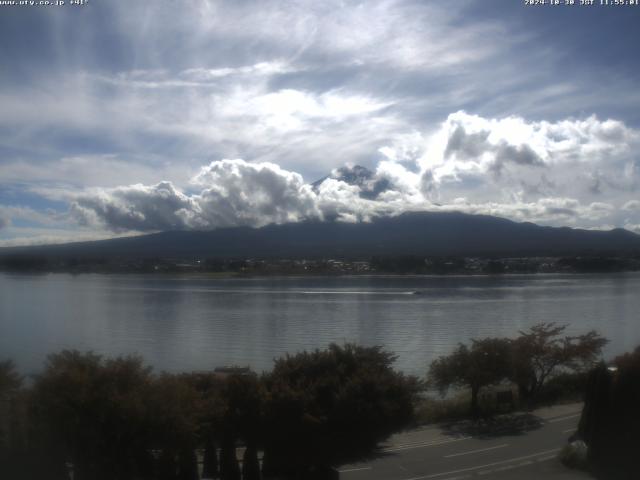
(416, 233)
(370, 186)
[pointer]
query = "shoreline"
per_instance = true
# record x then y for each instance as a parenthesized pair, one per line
(240, 275)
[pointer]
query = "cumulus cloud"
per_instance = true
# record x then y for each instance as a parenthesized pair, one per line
(236, 192)
(136, 207)
(512, 159)
(509, 167)
(231, 193)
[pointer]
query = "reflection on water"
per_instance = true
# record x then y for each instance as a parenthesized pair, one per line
(192, 323)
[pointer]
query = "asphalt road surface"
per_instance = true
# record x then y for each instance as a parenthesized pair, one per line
(519, 446)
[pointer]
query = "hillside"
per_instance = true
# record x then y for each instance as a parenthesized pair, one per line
(418, 233)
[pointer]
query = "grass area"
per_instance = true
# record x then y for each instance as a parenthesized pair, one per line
(563, 388)
(433, 409)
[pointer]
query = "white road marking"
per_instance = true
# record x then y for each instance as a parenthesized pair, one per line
(511, 460)
(544, 459)
(425, 442)
(514, 466)
(354, 469)
(409, 446)
(569, 430)
(476, 451)
(554, 420)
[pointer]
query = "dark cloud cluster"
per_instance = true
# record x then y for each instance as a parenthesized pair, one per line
(135, 208)
(466, 145)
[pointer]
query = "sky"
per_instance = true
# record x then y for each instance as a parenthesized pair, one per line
(128, 117)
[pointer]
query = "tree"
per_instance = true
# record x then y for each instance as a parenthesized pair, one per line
(242, 400)
(93, 413)
(10, 380)
(229, 468)
(12, 421)
(209, 410)
(628, 360)
(542, 352)
(485, 363)
(174, 409)
(610, 421)
(329, 406)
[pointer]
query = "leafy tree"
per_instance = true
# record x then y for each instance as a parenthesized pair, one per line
(610, 421)
(241, 419)
(12, 420)
(229, 468)
(485, 363)
(209, 410)
(93, 413)
(174, 411)
(10, 383)
(10, 380)
(628, 360)
(542, 352)
(329, 406)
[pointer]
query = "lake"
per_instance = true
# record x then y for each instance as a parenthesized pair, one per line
(184, 323)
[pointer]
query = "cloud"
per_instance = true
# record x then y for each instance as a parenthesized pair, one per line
(236, 193)
(108, 170)
(633, 227)
(273, 82)
(148, 94)
(550, 211)
(23, 225)
(509, 167)
(231, 193)
(50, 236)
(516, 158)
(240, 193)
(466, 145)
(136, 207)
(17, 213)
(632, 206)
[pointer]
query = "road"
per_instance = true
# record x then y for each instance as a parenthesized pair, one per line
(522, 446)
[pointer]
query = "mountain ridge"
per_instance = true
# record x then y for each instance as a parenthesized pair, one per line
(411, 233)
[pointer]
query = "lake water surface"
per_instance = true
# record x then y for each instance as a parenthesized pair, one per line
(183, 323)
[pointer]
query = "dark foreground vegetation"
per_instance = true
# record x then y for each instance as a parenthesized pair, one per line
(610, 423)
(91, 418)
(113, 419)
